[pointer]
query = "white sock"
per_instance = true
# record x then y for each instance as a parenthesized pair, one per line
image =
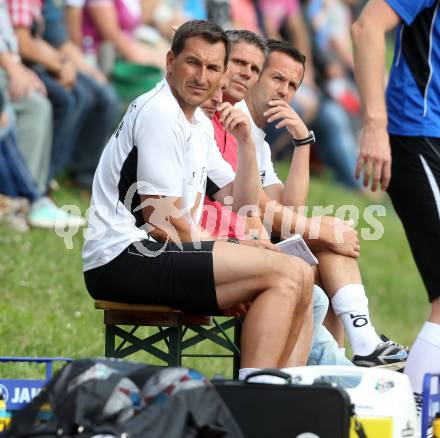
(424, 356)
(244, 372)
(342, 350)
(350, 303)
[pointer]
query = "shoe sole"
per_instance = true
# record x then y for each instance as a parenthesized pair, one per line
(51, 225)
(396, 366)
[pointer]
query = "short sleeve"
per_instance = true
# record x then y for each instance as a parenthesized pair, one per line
(267, 171)
(408, 10)
(220, 172)
(22, 13)
(161, 144)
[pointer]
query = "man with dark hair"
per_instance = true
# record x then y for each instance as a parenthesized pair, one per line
(400, 141)
(146, 204)
(268, 100)
(210, 33)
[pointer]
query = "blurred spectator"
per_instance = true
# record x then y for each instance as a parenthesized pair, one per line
(31, 106)
(58, 74)
(330, 22)
(17, 188)
(114, 21)
(71, 93)
(244, 15)
(101, 102)
(336, 145)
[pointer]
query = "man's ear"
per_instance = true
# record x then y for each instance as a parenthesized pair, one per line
(169, 61)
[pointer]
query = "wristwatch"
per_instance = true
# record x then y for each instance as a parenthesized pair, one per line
(310, 139)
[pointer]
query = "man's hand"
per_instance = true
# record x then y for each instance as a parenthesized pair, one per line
(374, 157)
(19, 82)
(337, 236)
(236, 122)
(36, 82)
(282, 111)
(67, 75)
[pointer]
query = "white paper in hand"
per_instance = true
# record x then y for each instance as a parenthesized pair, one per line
(296, 246)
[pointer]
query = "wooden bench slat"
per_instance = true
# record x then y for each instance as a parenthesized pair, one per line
(147, 315)
(114, 305)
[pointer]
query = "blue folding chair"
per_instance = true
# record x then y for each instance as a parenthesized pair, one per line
(431, 401)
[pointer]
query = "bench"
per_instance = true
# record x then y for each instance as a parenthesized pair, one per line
(179, 331)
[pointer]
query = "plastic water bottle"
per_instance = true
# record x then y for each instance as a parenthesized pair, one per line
(436, 426)
(5, 419)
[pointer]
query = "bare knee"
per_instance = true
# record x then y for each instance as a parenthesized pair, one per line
(289, 277)
(308, 281)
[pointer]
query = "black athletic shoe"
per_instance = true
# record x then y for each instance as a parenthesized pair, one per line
(387, 354)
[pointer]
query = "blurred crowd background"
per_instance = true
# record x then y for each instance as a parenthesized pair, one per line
(68, 68)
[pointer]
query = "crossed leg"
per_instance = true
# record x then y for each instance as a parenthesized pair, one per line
(280, 289)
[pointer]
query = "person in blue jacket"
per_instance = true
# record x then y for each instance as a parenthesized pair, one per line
(400, 141)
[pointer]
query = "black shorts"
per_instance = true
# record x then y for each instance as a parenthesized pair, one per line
(414, 191)
(144, 273)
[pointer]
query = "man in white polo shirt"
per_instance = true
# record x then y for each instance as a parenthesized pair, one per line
(264, 97)
(144, 244)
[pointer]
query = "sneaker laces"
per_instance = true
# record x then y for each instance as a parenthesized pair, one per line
(395, 344)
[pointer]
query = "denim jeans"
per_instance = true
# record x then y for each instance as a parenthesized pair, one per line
(68, 112)
(15, 178)
(102, 111)
(336, 142)
(325, 349)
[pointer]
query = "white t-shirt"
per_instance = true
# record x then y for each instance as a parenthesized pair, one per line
(154, 151)
(264, 158)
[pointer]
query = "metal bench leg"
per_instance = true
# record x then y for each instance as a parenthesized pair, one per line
(237, 338)
(110, 341)
(175, 346)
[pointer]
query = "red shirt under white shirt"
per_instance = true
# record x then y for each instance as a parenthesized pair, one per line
(217, 219)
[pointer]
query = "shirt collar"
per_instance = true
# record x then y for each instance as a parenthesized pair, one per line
(256, 131)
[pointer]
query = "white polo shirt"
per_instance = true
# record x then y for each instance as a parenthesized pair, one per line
(264, 158)
(154, 151)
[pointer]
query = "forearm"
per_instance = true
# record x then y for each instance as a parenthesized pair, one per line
(284, 222)
(246, 187)
(73, 18)
(343, 52)
(369, 58)
(255, 228)
(71, 52)
(128, 48)
(280, 220)
(296, 188)
(9, 62)
(36, 50)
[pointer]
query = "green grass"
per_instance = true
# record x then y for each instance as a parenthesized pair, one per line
(46, 310)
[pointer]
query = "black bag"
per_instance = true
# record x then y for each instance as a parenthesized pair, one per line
(277, 411)
(107, 396)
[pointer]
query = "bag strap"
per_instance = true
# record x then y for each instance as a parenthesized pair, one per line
(275, 372)
(360, 431)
